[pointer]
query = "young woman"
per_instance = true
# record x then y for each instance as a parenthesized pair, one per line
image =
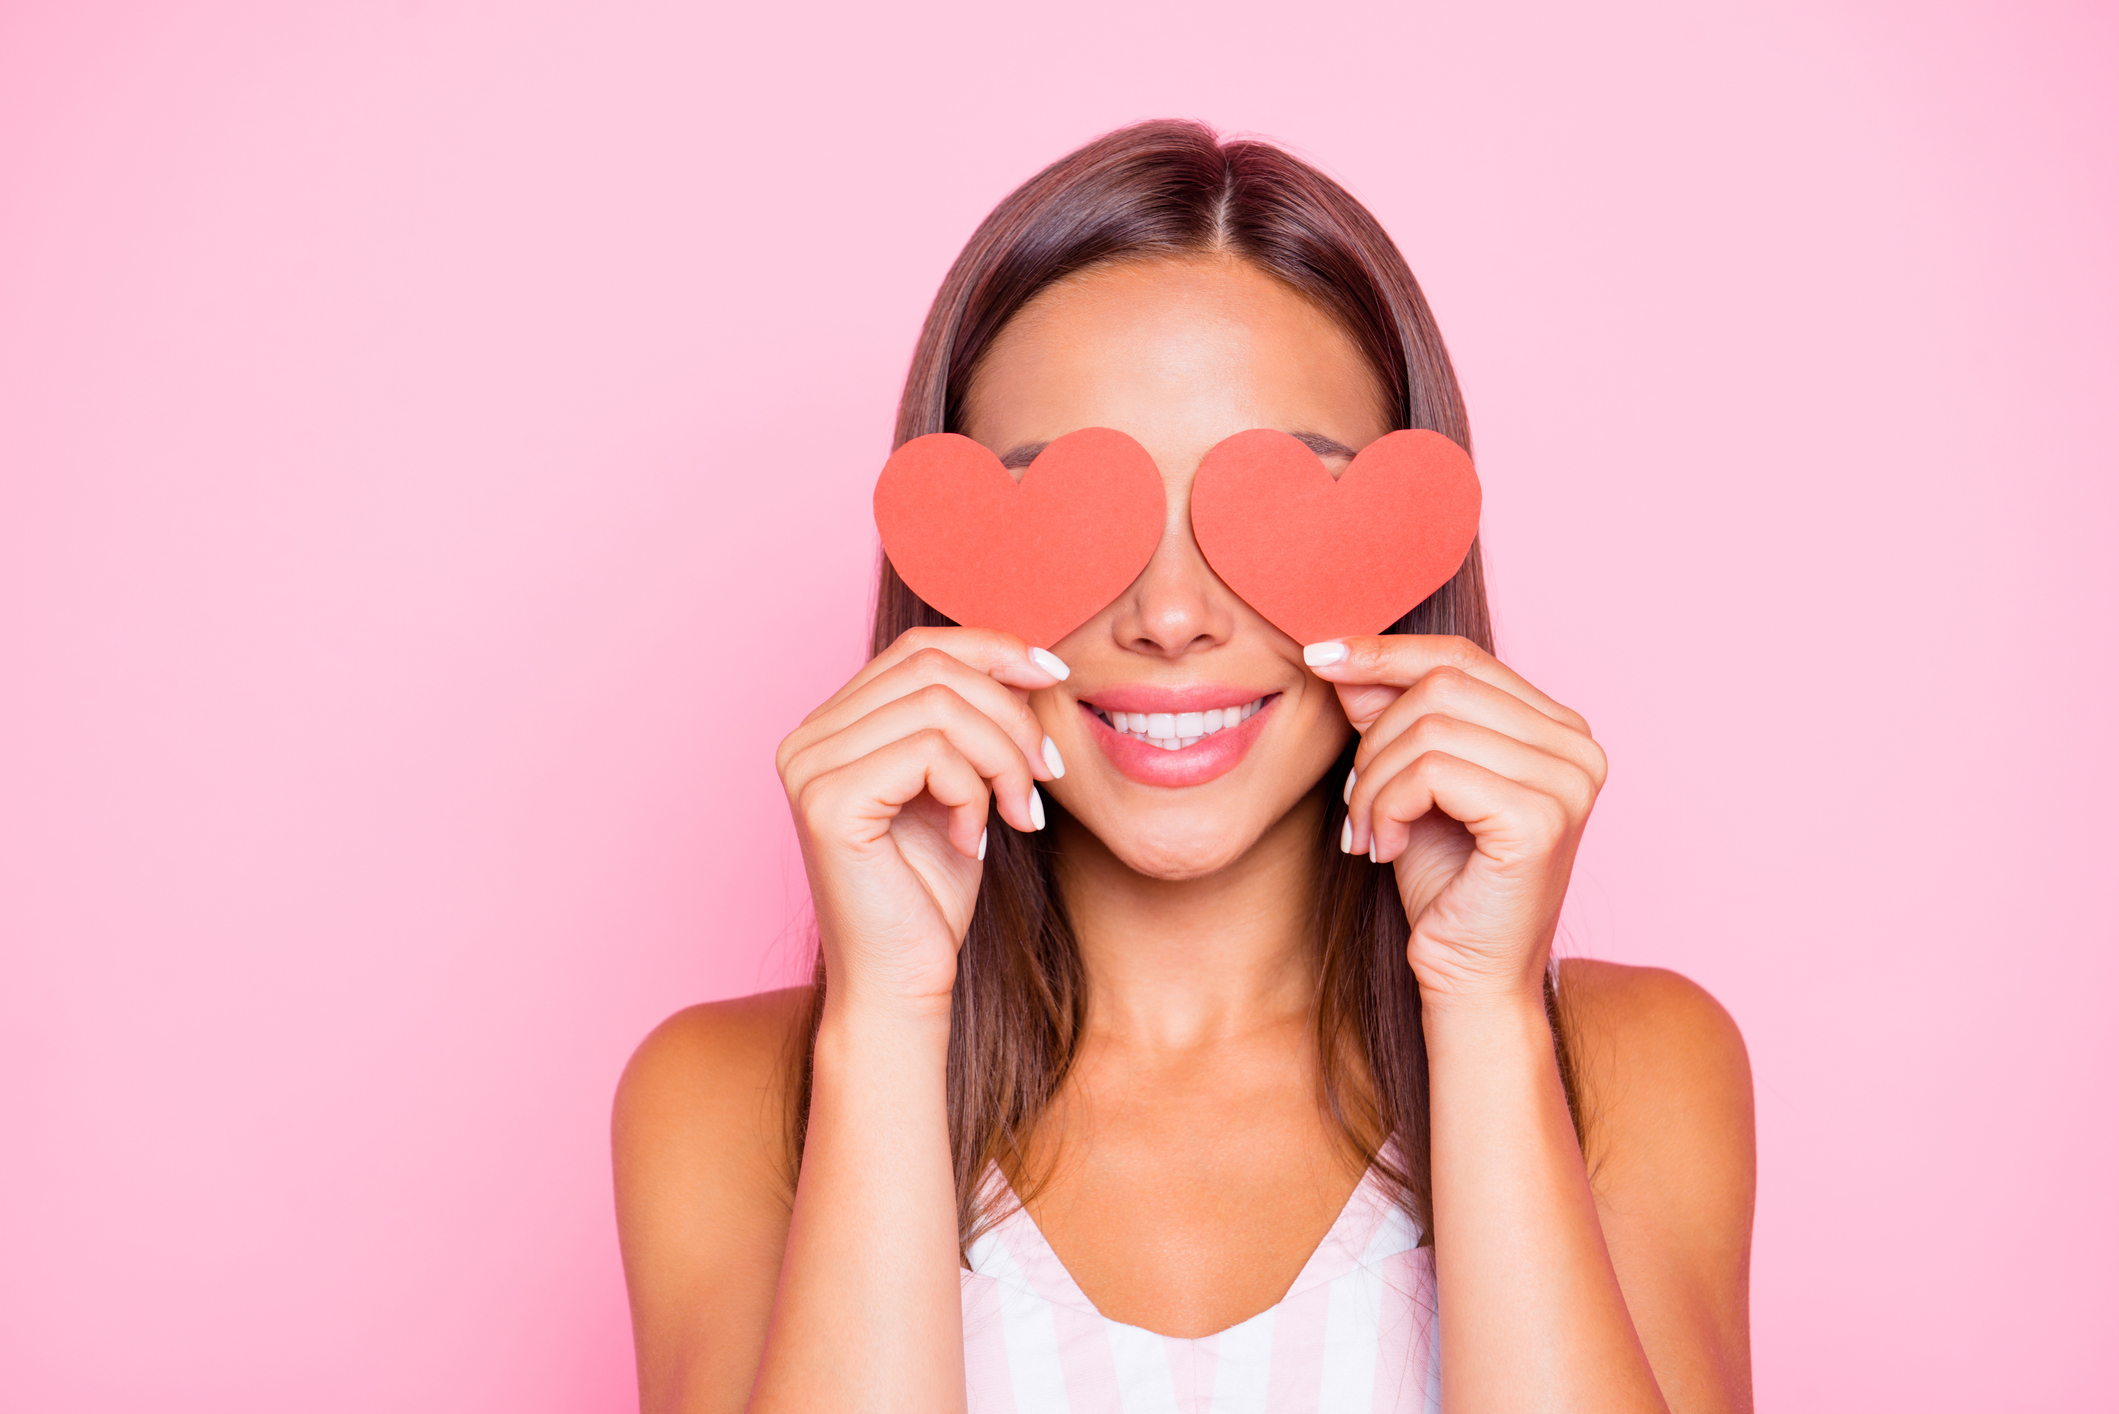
(1211, 1076)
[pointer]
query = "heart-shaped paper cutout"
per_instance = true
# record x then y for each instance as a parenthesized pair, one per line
(1036, 557)
(1324, 558)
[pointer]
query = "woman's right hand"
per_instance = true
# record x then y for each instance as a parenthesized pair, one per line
(889, 782)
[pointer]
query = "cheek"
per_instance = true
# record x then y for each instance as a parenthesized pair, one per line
(1319, 729)
(1051, 708)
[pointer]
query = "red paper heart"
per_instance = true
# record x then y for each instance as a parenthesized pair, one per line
(1324, 558)
(1036, 558)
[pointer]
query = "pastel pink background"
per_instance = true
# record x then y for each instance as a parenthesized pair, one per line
(434, 451)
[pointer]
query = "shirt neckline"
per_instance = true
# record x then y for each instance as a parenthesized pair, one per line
(1343, 1248)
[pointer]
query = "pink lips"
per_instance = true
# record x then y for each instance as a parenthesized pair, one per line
(1196, 764)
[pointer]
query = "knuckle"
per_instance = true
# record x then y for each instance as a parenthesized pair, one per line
(1446, 681)
(813, 800)
(929, 661)
(1460, 652)
(917, 637)
(1548, 815)
(938, 698)
(1581, 792)
(1432, 727)
(1430, 763)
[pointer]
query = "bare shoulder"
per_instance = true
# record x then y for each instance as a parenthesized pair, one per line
(1665, 1088)
(704, 1187)
(721, 1065)
(708, 1087)
(1646, 1036)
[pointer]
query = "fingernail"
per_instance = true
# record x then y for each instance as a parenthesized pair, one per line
(1050, 663)
(1052, 759)
(1323, 655)
(982, 844)
(1348, 793)
(1372, 851)
(1346, 835)
(1037, 810)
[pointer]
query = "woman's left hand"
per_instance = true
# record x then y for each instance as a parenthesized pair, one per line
(1476, 786)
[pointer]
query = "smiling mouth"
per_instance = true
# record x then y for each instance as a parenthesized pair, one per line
(1174, 731)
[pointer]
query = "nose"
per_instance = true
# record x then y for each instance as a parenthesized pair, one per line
(1178, 605)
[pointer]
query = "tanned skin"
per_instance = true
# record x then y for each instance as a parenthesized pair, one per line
(1192, 1170)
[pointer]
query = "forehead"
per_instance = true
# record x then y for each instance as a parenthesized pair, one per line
(1179, 353)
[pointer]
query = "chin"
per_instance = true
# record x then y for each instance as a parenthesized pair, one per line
(1181, 855)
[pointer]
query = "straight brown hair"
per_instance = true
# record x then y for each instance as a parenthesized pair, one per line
(1160, 190)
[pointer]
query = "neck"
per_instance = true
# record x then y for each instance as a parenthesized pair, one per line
(1178, 964)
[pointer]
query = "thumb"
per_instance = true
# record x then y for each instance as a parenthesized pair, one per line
(1364, 702)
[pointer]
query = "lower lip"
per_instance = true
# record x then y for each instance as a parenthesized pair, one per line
(1195, 765)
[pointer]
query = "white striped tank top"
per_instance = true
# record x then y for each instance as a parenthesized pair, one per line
(1356, 1334)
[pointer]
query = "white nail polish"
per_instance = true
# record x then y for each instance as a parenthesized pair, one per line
(1037, 810)
(1323, 655)
(1346, 835)
(1052, 759)
(1372, 851)
(1050, 663)
(982, 845)
(1348, 793)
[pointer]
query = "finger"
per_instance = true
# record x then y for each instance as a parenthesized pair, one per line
(1452, 692)
(1402, 659)
(1509, 820)
(855, 803)
(1000, 656)
(931, 667)
(1497, 753)
(993, 753)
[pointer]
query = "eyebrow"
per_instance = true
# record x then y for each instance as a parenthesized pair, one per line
(1323, 446)
(1019, 457)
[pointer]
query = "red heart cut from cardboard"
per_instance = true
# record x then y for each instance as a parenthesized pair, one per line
(1325, 558)
(1037, 557)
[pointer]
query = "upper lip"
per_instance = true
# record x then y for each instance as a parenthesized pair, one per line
(1145, 697)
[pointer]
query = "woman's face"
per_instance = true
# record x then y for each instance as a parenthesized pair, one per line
(1179, 354)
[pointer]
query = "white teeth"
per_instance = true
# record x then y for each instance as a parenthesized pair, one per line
(1174, 731)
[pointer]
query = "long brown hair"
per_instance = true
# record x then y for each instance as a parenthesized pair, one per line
(1165, 189)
